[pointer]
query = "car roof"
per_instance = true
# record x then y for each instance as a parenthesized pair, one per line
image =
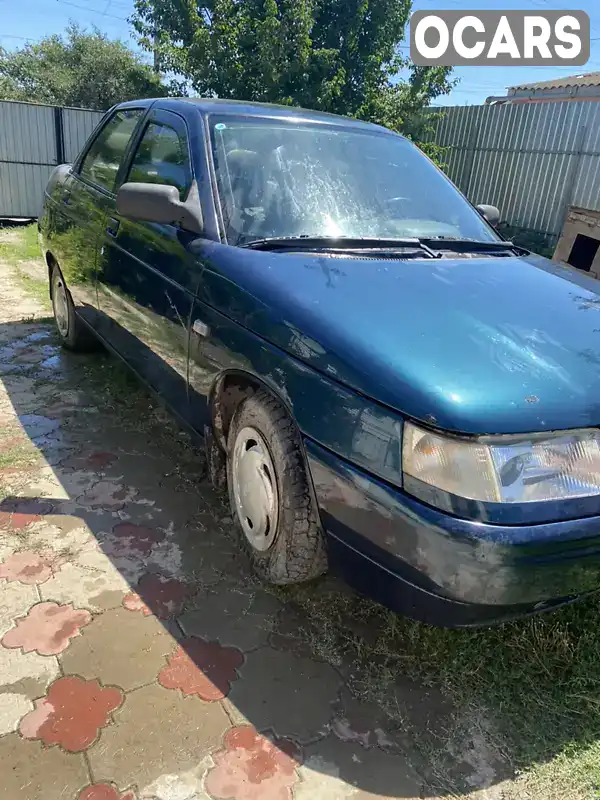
(266, 110)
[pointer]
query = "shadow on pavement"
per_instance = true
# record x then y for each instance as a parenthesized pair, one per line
(108, 506)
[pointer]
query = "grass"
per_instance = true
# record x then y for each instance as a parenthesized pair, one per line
(536, 681)
(19, 247)
(531, 688)
(19, 244)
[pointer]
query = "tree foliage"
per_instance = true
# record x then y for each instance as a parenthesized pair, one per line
(340, 56)
(80, 69)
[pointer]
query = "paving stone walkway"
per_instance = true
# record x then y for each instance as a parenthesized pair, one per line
(139, 658)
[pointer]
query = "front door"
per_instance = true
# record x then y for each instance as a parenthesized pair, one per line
(81, 206)
(147, 276)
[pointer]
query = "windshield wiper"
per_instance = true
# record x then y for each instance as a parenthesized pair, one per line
(468, 245)
(339, 244)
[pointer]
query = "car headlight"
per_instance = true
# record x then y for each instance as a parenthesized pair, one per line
(505, 469)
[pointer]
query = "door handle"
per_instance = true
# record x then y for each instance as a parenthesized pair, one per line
(112, 228)
(200, 328)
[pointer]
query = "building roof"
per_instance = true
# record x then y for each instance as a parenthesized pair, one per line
(581, 79)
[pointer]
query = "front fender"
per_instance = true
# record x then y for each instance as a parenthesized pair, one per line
(326, 412)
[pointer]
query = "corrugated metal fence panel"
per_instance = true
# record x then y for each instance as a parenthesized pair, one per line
(22, 189)
(77, 126)
(531, 160)
(28, 151)
(27, 156)
(27, 133)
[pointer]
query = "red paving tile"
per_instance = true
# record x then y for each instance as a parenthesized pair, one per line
(157, 595)
(18, 514)
(47, 629)
(100, 460)
(206, 669)
(72, 713)
(104, 791)
(27, 567)
(253, 767)
(138, 537)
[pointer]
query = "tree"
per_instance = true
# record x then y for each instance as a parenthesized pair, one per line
(80, 69)
(334, 55)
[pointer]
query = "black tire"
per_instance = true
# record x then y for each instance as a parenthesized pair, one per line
(297, 553)
(74, 334)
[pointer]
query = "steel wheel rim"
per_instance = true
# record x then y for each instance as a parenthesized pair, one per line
(61, 306)
(255, 488)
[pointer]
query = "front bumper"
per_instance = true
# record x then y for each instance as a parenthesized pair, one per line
(441, 569)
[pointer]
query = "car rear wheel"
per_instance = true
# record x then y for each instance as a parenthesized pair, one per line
(270, 494)
(73, 333)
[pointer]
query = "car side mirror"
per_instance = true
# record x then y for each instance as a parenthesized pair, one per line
(156, 202)
(489, 213)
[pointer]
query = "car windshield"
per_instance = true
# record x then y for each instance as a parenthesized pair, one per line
(291, 179)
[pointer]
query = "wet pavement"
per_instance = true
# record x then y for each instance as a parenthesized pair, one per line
(139, 657)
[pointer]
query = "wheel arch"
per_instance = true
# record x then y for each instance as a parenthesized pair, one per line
(51, 262)
(228, 391)
(231, 388)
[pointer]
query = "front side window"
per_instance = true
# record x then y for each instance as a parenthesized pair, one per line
(281, 178)
(162, 157)
(102, 161)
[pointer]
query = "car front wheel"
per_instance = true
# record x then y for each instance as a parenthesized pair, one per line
(270, 494)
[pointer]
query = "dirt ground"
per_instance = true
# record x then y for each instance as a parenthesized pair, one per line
(139, 657)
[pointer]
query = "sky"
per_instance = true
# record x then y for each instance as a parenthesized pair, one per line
(23, 20)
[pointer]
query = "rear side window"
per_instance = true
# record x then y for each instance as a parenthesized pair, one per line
(103, 159)
(162, 157)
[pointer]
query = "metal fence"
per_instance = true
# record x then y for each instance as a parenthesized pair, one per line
(532, 161)
(33, 140)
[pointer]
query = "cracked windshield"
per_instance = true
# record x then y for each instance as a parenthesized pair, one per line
(295, 180)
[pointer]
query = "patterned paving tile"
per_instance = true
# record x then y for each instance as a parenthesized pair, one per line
(205, 669)
(241, 618)
(59, 533)
(252, 766)
(20, 513)
(86, 587)
(158, 595)
(292, 696)
(120, 648)
(156, 734)
(32, 771)
(138, 537)
(72, 713)
(15, 601)
(336, 770)
(107, 494)
(47, 629)
(104, 791)
(23, 678)
(28, 567)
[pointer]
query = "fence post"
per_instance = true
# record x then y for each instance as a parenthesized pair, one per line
(570, 182)
(59, 134)
(470, 157)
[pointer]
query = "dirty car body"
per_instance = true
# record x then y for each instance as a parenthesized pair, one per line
(444, 385)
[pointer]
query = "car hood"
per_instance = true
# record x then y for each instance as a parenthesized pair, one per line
(473, 345)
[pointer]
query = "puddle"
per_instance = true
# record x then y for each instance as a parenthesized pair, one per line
(54, 362)
(37, 426)
(9, 351)
(37, 336)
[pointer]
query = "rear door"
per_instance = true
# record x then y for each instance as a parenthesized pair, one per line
(147, 276)
(83, 202)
